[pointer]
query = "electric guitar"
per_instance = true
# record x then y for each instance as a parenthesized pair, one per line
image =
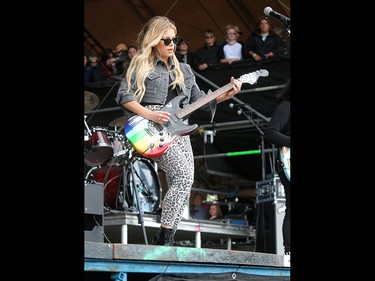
(284, 153)
(151, 139)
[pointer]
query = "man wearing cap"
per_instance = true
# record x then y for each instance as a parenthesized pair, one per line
(121, 59)
(183, 53)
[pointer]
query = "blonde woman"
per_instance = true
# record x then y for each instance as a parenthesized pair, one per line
(153, 79)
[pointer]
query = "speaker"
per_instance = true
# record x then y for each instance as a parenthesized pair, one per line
(269, 235)
(94, 212)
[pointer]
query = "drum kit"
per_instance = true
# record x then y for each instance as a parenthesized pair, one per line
(131, 182)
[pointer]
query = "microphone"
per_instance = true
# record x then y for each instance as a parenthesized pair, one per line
(268, 11)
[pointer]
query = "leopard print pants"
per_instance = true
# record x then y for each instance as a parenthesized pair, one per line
(178, 164)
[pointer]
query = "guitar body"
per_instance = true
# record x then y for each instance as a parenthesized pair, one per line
(151, 139)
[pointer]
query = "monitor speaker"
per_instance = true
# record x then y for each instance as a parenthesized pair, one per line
(269, 237)
(94, 212)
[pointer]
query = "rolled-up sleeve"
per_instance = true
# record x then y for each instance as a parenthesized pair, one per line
(194, 93)
(123, 96)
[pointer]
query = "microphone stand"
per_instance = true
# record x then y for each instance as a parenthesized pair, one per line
(286, 27)
(259, 127)
(135, 192)
(248, 107)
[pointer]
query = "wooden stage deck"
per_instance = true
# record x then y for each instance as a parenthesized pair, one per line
(125, 258)
(135, 256)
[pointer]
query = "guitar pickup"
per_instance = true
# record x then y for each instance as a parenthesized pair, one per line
(148, 132)
(158, 127)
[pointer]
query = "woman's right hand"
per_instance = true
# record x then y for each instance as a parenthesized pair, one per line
(160, 117)
(156, 116)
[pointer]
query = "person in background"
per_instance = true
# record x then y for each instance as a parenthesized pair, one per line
(105, 62)
(197, 209)
(183, 53)
(94, 71)
(277, 132)
(233, 49)
(207, 55)
(278, 30)
(215, 212)
(264, 44)
(85, 61)
(154, 78)
(120, 60)
(132, 51)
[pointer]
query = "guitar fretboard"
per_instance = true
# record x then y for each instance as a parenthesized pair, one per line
(199, 103)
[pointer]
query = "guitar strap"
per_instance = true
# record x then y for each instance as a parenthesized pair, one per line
(172, 93)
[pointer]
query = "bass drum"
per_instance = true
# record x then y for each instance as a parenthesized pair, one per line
(120, 195)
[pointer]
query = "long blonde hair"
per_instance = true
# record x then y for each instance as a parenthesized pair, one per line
(143, 62)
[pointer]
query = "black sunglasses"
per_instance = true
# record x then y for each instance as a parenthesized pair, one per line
(168, 41)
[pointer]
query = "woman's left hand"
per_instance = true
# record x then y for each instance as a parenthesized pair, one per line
(236, 88)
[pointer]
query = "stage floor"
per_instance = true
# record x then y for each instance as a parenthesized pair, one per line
(121, 259)
(117, 243)
(124, 227)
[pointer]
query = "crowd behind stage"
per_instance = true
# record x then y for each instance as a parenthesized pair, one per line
(203, 207)
(266, 44)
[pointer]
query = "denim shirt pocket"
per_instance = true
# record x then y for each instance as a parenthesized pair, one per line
(153, 82)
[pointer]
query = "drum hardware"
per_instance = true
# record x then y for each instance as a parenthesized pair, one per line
(99, 148)
(118, 178)
(140, 177)
(141, 190)
(131, 185)
(135, 192)
(89, 173)
(118, 122)
(88, 135)
(119, 146)
(120, 153)
(91, 101)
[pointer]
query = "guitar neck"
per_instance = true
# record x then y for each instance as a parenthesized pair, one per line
(201, 102)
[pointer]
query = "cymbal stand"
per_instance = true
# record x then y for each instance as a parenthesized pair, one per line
(133, 190)
(88, 137)
(87, 127)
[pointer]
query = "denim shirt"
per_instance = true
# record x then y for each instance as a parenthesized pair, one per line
(157, 83)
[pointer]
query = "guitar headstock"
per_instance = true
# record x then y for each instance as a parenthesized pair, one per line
(252, 77)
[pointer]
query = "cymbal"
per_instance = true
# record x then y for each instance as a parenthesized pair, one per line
(91, 101)
(118, 122)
